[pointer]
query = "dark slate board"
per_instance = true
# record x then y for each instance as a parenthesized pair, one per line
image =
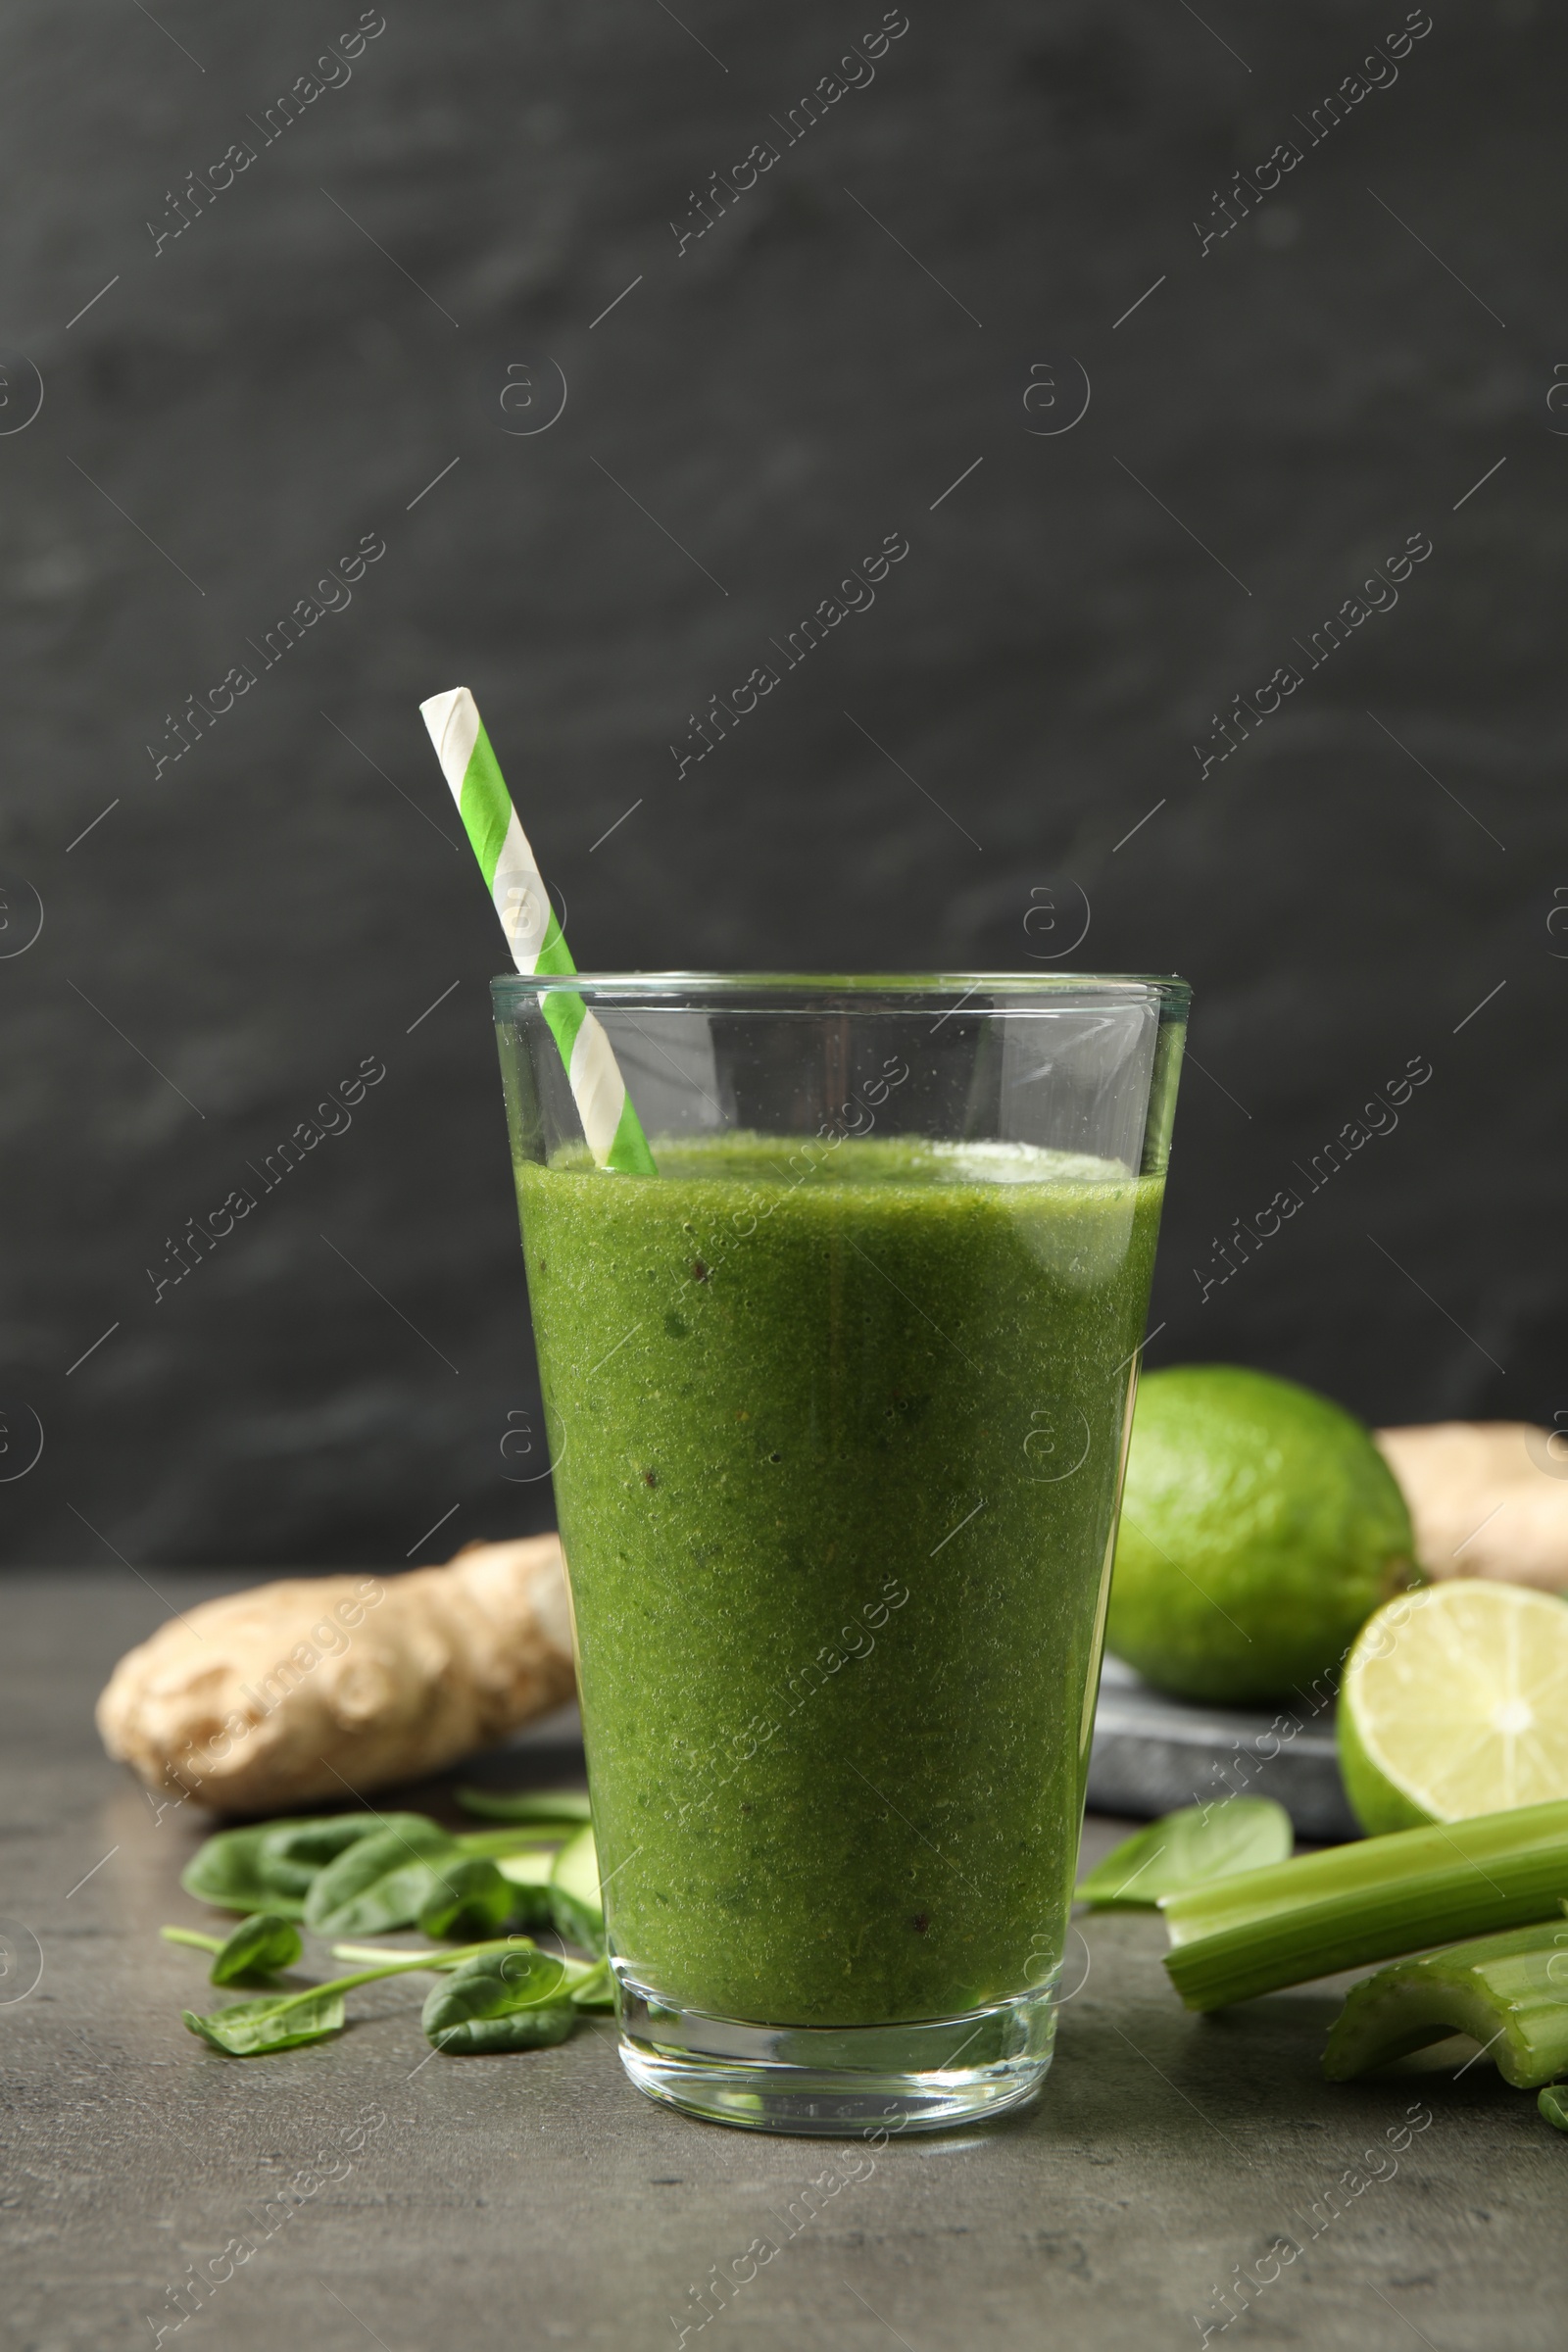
(1152, 1753)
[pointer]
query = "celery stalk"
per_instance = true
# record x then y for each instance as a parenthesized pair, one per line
(1510, 1992)
(1353, 1905)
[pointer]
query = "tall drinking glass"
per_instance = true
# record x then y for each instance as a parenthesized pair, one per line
(838, 1404)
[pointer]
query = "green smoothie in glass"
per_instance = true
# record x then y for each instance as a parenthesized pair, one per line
(837, 1503)
(837, 1397)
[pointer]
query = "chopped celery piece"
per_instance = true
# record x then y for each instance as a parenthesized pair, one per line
(1353, 1905)
(1509, 1993)
(1190, 1848)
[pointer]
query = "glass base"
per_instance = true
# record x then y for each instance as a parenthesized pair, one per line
(839, 2081)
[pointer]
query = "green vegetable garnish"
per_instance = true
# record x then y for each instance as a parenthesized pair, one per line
(282, 2022)
(293, 1851)
(1553, 2104)
(287, 2020)
(380, 1882)
(1354, 1904)
(500, 2001)
(1510, 1992)
(270, 1865)
(469, 1899)
(313, 1870)
(261, 1946)
(356, 1872)
(232, 1871)
(1190, 1848)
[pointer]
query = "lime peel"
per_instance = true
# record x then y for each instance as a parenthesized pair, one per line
(1260, 1528)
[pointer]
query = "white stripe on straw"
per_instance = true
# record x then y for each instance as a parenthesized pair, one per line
(510, 871)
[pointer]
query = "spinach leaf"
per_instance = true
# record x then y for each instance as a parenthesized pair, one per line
(272, 1865)
(1188, 1848)
(560, 1806)
(381, 1882)
(519, 1992)
(259, 1947)
(293, 1851)
(526, 2030)
(282, 2022)
(470, 1899)
(232, 1871)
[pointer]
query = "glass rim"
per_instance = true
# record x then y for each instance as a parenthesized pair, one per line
(1170, 992)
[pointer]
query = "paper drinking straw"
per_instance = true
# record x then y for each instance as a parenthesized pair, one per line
(610, 1120)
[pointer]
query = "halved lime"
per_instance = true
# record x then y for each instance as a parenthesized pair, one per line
(1456, 1701)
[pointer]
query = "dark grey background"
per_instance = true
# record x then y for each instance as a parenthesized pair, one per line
(290, 896)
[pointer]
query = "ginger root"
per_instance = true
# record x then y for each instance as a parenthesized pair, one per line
(326, 1686)
(1487, 1498)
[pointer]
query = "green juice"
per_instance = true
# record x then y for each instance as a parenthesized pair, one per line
(838, 1433)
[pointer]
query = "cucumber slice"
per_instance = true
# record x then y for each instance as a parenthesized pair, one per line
(529, 1870)
(574, 1897)
(529, 1875)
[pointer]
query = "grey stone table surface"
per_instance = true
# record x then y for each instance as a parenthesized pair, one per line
(395, 2198)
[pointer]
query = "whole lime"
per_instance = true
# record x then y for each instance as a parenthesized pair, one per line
(1260, 1528)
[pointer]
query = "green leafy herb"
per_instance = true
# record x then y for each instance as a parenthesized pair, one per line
(574, 1896)
(354, 1873)
(1353, 1905)
(286, 2021)
(380, 1882)
(524, 2030)
(1510, 1992)
(282, 2022)
(563, 1806)
(261, 1946)
(270, 1865)
(292, 1852)
(1189, 1848)
(232, 1871)
(500, 2001)
(470, 1899)
(258, 1948)
(1553, 2104)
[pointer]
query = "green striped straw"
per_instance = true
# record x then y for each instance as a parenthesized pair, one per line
(610, 1120)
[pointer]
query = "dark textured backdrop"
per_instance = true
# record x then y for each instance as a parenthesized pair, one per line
(332, 333)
